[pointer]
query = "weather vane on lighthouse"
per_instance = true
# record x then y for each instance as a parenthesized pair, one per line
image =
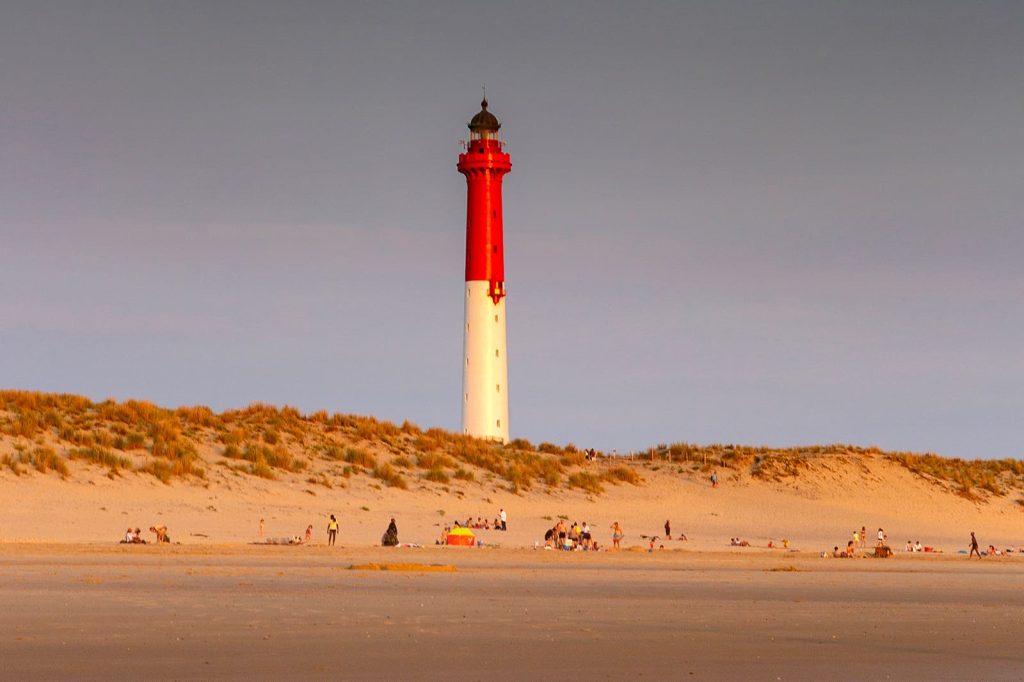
(484, 367)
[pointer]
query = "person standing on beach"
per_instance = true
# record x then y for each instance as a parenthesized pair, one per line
(668, 530)
(332, 531)
(974, 546)
(261, 527)
(881, 538)
(863, 536)
(714, 479)
(504, 517)
(616, 535)
(856, 538)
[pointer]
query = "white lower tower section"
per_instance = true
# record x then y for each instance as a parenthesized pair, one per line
(484, 366)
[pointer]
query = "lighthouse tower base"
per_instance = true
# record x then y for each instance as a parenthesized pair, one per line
(485, 367)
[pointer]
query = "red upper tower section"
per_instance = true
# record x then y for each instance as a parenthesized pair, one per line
(484, 164)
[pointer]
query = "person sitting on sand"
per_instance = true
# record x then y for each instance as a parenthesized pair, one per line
(992, 551)
(918, 547)
(161, 533)
(849, 549)
(127, 537)
(390, 537)
(836, 554)
(443, 540)
(910, 546)
(549, 538)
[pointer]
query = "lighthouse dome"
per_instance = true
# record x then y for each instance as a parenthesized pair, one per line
(484, 121)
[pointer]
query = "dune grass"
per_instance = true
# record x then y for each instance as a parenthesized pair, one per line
(49, 430)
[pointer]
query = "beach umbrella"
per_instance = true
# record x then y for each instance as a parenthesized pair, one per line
(461, 536)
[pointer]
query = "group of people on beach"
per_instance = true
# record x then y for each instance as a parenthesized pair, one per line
(481, 524)
(574, 537)
(134, 536)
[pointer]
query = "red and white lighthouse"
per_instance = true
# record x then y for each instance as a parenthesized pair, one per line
(484, 367)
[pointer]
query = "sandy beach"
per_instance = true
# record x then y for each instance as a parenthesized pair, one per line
(214, 604)
(232, 612)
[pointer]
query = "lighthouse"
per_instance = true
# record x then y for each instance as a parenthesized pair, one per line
(484, 362)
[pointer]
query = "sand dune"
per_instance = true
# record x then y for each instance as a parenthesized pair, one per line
(366, 472)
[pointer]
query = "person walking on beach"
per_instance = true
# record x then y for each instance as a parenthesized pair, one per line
(616, 535)
(504, 518)
(668, 530)
(332, 531)
(974, 546)
(714, 479)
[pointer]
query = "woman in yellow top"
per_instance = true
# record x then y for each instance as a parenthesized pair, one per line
(332, 531)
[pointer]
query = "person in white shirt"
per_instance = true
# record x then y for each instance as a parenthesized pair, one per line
(504, 517)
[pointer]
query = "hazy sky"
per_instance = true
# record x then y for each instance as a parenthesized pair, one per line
(765, 223)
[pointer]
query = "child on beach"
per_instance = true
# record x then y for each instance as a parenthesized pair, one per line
(309, 533)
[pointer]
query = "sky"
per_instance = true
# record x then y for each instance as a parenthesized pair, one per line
(776, 223)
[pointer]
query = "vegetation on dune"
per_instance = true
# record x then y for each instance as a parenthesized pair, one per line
(48, 431)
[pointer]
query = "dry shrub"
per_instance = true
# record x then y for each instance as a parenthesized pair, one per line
(586, 481)
(519, 478)
(387, 474)
(622, 474)
(235, 436)
(402, 461)
(464, 474)
(521, 444)
(101, 456)
(277, 457)
(573, 458)
(165, 470)
(198, 415)
(360, 457)
(43, 459)
(12, 463)
(437, 476)
(434, 460)
(333, 451)
(261, 469)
